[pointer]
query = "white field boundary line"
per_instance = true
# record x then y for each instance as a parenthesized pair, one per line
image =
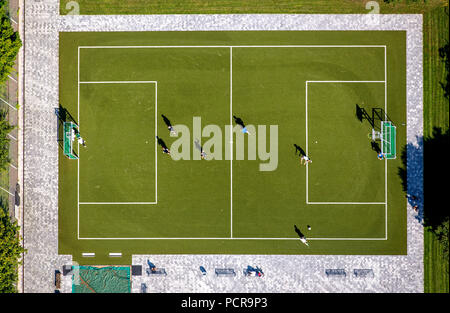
(235, 46)
(223, 238)
(380, 203)
(385, 160)
(231, 142)
(231, 138)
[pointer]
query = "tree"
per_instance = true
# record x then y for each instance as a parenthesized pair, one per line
(5, 128)
(442, 234)
(10, 44)
(10, 251)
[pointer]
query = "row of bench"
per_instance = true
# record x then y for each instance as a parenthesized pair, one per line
(218, 271)
(153, 270)
(357, 272)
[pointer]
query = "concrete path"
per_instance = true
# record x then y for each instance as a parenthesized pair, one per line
(301, 273)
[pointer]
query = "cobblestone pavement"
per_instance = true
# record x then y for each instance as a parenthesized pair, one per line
(283, 273)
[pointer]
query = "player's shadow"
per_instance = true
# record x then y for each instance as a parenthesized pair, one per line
(238, 121)
(198, 145)
(161, 142)
(375, 146)
(298, 149)
(166, 120)
(299, 233)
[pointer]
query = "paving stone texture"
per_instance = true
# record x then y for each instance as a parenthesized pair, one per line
(283, 273)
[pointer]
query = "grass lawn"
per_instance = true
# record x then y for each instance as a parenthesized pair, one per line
(241, 6)
(436, 114)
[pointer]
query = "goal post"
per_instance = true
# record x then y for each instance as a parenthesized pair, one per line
(387, 136)
(388, 140)
(70, 129)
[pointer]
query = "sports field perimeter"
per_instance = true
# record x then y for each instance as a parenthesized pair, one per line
(123, 195)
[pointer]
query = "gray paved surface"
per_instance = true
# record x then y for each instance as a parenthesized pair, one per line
(283, 273)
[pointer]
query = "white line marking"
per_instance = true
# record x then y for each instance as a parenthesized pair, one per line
(13, 20)
(243, 46)
(120, 82)
(87, 203)
(12, 78)
(224, 238)
(385, 160)
(231, 138)
(115, 254)
(88, 254)
(13, 166)
(256, 46)
(345, 203)
(7, 191)
(345, 81)
(306, 132)
(14, 138)
(78, 160)
(156, 143)
(9, 104)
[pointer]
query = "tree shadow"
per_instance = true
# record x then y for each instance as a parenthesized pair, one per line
(444, 53)
(436, 151)
(429, 158)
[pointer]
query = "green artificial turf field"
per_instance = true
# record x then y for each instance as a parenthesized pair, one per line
(124, 195)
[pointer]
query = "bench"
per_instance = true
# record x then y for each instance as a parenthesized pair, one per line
(225, 272)
(136, 270)
(156, 271)
(58, 279)
(67, 270)
(360, 272)
(335, 273)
